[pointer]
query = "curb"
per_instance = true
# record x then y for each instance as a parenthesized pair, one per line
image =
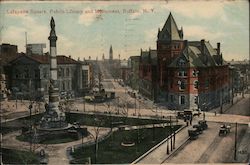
(176, 149)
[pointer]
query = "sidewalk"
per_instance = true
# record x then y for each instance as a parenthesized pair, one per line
(159, 153)
(226, 106)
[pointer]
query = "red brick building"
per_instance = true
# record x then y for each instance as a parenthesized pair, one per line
(190, 74)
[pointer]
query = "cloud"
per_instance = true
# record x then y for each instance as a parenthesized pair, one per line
(88, 17)
(198, 32)
(204, 9)
(150, 35)
(64, 46)
(144, 6)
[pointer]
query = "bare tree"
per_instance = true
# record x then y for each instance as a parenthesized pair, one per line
(96, 133)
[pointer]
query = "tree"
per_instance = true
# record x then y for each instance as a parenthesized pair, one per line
(95, 134)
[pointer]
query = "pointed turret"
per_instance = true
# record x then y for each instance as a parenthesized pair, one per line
(111, 53)
(170, 30)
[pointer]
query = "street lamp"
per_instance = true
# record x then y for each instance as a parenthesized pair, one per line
(30, 108)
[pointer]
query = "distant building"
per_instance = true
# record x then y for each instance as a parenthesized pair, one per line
(185, 74)
(135, 65)
(125, 71)
(86, 76)
(35, 49)
(29, 75)
(3, 87)
(148, 73)
(7, 49)
(243, 69)
(111, 54)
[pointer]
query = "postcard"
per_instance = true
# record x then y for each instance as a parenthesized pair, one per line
(124, 82)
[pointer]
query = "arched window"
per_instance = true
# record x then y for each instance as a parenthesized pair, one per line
(182, 85)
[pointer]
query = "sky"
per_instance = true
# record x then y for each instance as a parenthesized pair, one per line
(89, 28)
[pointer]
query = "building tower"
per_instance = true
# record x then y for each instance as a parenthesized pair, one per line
(111, 54)
(53, 117)
(169, 45)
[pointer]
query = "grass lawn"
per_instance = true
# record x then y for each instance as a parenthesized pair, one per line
(110, 151)
(19, 157)
(88, 119)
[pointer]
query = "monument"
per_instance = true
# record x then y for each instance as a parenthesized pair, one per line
(53, 117)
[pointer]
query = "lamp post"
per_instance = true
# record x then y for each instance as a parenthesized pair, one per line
(235, 143)
(30, 108)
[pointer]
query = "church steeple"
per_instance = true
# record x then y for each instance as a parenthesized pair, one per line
(170, 30)
(111, 53)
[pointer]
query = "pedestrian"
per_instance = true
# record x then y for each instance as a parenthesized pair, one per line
(191, 120)
(187, 122)
(215, 113)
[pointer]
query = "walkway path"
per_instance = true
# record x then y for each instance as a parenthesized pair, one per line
(57, 152)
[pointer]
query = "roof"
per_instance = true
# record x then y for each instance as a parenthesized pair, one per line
(190, 55)
(193, 57)
(149, 57)
(170, 30)
(44, 59)
(4, 60)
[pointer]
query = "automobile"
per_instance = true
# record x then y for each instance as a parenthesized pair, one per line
(198, 127)
(180, 115)
(197, 112)
(203, 124)
(193, 133)
(224, 129)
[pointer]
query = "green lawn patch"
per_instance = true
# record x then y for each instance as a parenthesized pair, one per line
(89, 119)
(112, 152)
(19, 157)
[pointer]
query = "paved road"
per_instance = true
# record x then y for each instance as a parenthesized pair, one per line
(210, 147)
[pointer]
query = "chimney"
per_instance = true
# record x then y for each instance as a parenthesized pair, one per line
(218, 48)
(158, 33)
(204, 57)
(185, 43)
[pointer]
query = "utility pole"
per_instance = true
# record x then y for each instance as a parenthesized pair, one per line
(1, 151)
(171, 134)
(221, 104)
(235, 144)
(135, 105)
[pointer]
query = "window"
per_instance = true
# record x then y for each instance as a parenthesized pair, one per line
(171, 98)
(196, 84)
(67, 72)
(26, 73)
(45, 73)
(196, 100)
(182, 85)
(59, 72)
(182, 73)
(68, 85)
(63, 86)
(181, 62)
(37, 73)
(195, 73)
(182, 100)
(16, 73)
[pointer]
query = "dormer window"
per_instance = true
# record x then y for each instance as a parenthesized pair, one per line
(181, 62)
